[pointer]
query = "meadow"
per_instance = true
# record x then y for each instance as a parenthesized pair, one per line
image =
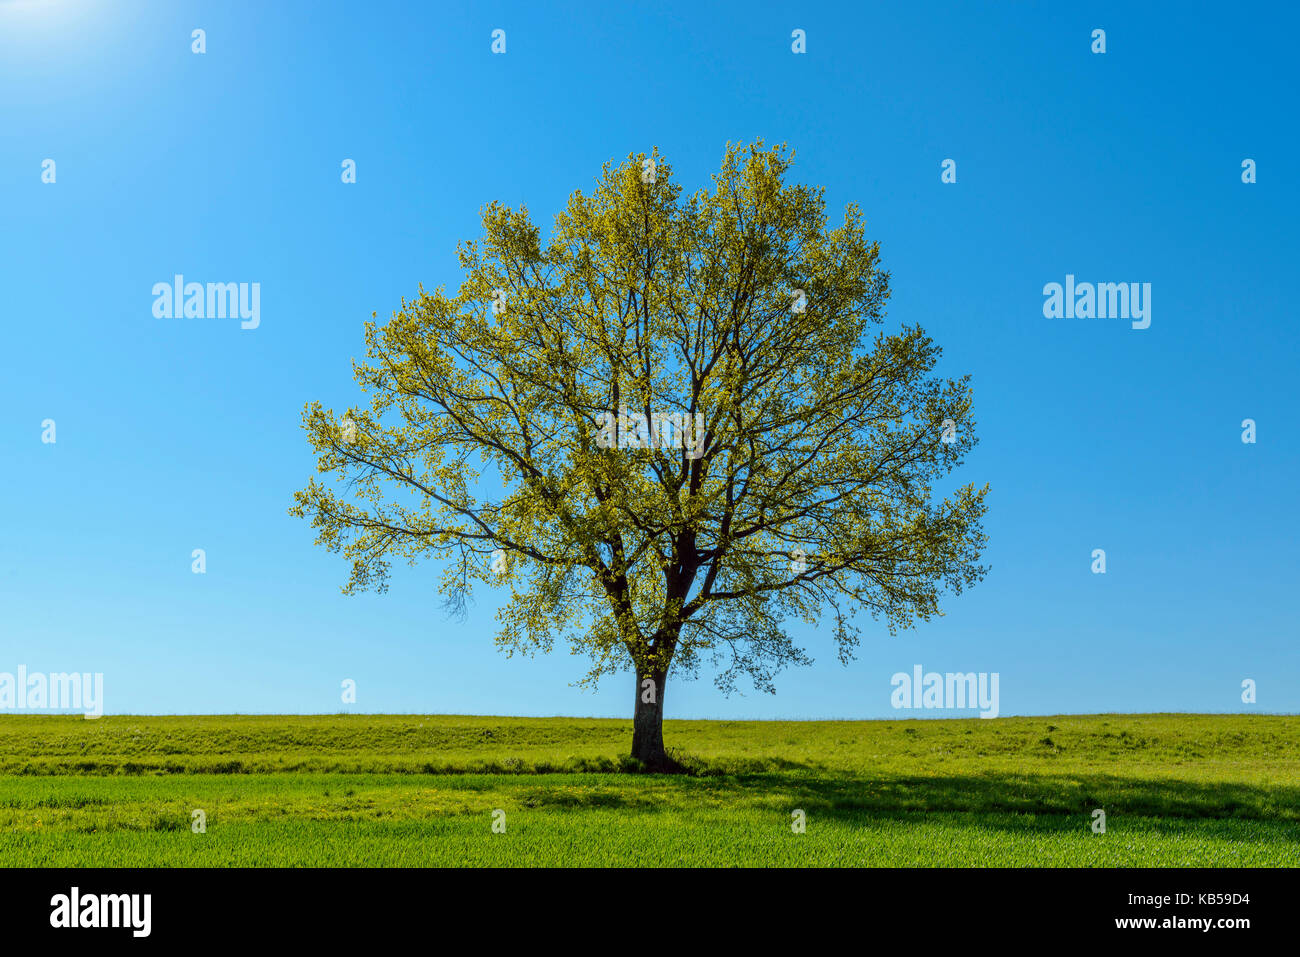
(412, 790)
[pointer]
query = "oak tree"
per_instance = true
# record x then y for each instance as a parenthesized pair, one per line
(665, 430)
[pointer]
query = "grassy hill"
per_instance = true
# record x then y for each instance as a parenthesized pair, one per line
(1209, 790)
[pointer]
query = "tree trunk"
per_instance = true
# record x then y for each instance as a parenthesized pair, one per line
(648, 724)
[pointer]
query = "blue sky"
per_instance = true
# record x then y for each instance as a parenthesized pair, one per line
(181, 434)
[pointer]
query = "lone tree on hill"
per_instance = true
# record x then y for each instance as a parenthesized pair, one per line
(663, 429)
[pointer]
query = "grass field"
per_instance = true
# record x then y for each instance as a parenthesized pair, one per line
(409, 790)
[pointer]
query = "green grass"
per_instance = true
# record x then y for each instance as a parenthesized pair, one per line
(1178, 790)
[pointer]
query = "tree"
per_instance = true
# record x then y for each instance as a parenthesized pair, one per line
(663, 429)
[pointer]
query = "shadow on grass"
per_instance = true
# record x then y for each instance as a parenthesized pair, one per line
(852, 798)
(1036, 794)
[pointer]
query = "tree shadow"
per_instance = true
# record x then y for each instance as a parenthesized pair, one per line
(848, 796)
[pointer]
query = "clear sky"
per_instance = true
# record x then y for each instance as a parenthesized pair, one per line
(172, 435)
